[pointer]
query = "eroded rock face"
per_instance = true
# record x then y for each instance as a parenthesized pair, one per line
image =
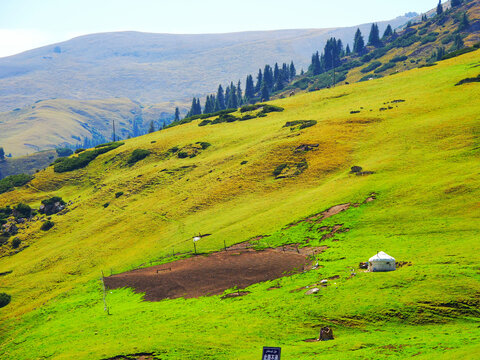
(10, 228)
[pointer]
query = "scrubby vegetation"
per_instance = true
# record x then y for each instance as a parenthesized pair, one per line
(4, 299)
(300, 124)
(137, 155)
(47, 225)
(63, 152)
(10, 182)
(83, 159)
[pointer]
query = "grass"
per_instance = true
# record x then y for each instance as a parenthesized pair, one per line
(424, 153)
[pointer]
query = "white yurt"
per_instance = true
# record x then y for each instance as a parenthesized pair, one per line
(381, 262)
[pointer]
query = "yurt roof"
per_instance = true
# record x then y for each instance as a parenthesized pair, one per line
(381, 256)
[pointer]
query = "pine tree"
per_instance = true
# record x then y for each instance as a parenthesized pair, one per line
(302, 72)
(239, 94)
(457, 43)
(177, 114)
(232, 97)
(258, 85)
(348, 52)
(374, 37)
(220, 100)
(439, 7)
(388, 32)
(358, 43)
(464, 23)
(2, 154)
(249, 89)
(265, 93)
(332, 51)
(276, 73)
(285, 73)
(316, 67)
(268, 77)
(151, 129)
(198, 108)
(293, 71)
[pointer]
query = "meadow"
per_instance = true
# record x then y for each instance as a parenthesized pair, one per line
(423, 150)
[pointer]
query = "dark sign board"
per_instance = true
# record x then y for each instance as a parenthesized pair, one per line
(271, 353)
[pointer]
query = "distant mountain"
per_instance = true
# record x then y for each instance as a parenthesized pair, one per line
(154, 68)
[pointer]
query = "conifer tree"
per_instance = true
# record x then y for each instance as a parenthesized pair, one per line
(249, 89)
(198, 107)
(316, 67)
(347, 50)
(285, 73)
(264, 92)
(464, 23)
(293, 71)
(239, 94)
(268, 77)
(457, 43)
(151, 129)
(232, 97)
(2, 154)
(220, 100)
(191, 112)
(439, 7)
(388, 32)
(358, 43)
(177, 114)
(374, 37)
(258, 86)
(276, 73)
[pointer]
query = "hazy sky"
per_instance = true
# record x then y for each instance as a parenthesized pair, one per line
(26, 24)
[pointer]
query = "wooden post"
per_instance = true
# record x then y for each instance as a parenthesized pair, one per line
(105, 307)
(224, 245)
(195, 247)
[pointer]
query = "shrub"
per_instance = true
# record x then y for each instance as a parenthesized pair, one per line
(243, 162)
(4, 299)
(173, 150)
(47, 225)
(384, 67)
(118, 194)
(302, 124)
(79, 150)
(271, 108)
(458, 53)
(182, 155)
(399, 58)
(106, 205)
(53, 200)
(204, 145)
(22, 211)
(355, 169)
(370, 67)
(62, 152)
(248, 117)
(16, 243)
(9, 182)
(246, 108)
(137, 155)
(204, 122)
(83, 159)
(278, 170)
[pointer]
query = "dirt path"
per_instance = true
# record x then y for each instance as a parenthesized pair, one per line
(212, 274)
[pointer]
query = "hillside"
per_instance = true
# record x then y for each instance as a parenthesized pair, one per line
(54, 123)
(152, 68)
(269, 181)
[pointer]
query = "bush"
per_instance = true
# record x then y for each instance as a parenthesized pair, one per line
(204, 122)
(458, 53)
(83, 159)
(23, 211)
(47, 225)
(399, 58)
(53, 200)
(9, 182)
(4, 299)
(385, 67)
(79, 150)
(182, 155)
(16, 243)
(62, 152)
(173, 150)
(271, 108)
(301, 123)
(137, 155)
(370, 76)
(118, 194)
(204, 145)
(246, 108)
(248, 117)
(370, 67)
(278, 170)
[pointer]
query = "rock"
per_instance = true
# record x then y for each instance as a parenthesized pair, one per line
(323, 281)
(51, 208)
(325, 334)
(363, 265)
(312, 291)
(11, 229)
(355, 169)
(21, 220)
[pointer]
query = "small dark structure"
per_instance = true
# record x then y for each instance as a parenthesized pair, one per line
(325, 334)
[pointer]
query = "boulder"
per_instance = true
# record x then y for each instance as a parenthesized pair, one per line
(312, 291)
(325, 334)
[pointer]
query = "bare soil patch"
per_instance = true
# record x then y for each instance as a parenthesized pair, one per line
(212, 274)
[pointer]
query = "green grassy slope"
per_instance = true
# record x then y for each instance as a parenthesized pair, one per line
(58, 122)
(424, 153)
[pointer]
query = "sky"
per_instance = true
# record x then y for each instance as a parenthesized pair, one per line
(27, 24)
